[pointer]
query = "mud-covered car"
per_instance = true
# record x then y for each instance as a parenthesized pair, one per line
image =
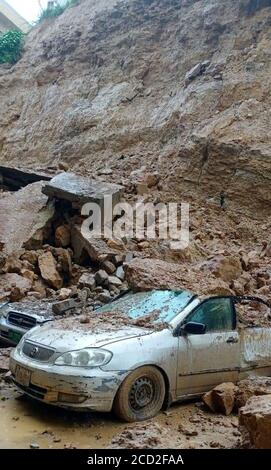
(142, 352)
(18, 318)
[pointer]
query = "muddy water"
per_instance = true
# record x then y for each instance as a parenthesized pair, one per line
(26, 423)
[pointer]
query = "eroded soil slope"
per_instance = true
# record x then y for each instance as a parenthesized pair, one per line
(107, 84)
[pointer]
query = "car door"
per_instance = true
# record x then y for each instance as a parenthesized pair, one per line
(255, 335)
(205, 360)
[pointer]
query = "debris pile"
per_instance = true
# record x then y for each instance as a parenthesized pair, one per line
(142, 436)
(228, 397)
(253, 386)
(50, 257)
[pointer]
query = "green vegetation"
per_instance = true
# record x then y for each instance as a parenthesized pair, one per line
(11, 45)
(56, 10)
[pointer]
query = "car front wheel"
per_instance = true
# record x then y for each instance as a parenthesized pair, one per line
(141, 395)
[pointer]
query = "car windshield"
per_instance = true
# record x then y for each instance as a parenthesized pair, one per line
(165, 304)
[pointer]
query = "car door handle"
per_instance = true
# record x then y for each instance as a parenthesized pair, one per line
(232, 339)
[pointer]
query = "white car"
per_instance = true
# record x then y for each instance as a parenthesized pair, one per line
(172, 346)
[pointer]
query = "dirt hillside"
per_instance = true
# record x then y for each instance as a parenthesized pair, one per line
(181, 87)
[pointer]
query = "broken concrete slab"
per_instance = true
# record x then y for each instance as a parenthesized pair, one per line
(80, 190)
(15, 178)
(59, 308)
(96, 248)
(25, 218)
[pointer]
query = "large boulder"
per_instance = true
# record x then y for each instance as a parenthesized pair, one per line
(48, 270)
(149, 273)
(255, 422)
(222, 398)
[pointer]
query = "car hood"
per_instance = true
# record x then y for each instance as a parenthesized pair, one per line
(40, 311)
(71, 339)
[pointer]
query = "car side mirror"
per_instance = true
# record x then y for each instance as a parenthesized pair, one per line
(193, 328)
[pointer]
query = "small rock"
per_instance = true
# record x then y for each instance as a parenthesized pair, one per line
(30, 256)
(64, 293)
(143, 245)
(63, 306)
(87, 280)
(104, 297)
(129, 257)
(151, 179)
(114, 281)
(109, 267)
(12, 265)
(119, 259)
(194, 72)
(115, 244)
(63, 236)
(34, 445)
(64, 261)
(120, 273)
(29, 275)
(142, 188)
(84, 319)
(101, 276)
(63, 166)
(105, 171)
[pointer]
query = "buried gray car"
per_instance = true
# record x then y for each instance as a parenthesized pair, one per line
(140, 353)
(18, 318)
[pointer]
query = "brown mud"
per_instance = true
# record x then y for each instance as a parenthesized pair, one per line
(26, 423)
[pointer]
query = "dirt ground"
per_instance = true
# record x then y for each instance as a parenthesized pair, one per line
(26, 423)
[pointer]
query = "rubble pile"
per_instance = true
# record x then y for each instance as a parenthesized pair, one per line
(142, 436)
(229, 397)
(50, 257)
(251, 398)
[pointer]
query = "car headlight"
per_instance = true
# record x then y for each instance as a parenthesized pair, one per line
(89, 357)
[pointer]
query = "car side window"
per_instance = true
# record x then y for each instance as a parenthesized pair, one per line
(216, 314)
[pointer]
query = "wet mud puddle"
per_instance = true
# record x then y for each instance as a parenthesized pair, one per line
(26, 424)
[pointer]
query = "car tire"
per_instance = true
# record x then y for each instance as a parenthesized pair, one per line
(141, 395)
